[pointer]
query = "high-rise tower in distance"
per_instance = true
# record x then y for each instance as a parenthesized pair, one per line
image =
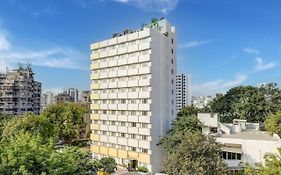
(183, 91)
(133, 93)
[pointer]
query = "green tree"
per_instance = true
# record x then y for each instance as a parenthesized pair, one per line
(273, 123)
(107, 164)
(272, 164)
(196, 154)
(247, 102)
(27, 154)
(65, 119)
(188, 151)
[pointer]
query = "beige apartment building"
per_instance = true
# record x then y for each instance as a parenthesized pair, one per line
(133, 93)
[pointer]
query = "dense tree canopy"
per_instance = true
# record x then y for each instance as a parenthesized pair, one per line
(188, 151)
(247, 102)
(28, 144)
(273, 123)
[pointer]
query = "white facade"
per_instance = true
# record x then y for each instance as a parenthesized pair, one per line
(74, 93)
(183, 94)
(202, 101)
(133, 94)
(47, 99)
(242, 142)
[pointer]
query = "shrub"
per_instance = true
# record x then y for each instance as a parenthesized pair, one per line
(142, 169)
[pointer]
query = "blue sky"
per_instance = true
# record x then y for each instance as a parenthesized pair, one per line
(221, 43)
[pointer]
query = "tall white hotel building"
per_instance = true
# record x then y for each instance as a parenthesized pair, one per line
(133, 92)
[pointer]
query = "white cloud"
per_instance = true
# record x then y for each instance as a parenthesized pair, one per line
(262, 66)
(4, 43)
(194, 44)
(218, 86)
(56, 57)
(251, 51)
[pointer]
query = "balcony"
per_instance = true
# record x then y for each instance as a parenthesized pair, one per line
(144, 46)
(112, 117)
(112, 139)
(95, 96)
(112, 95)
(112, 74)
(133, 118)
(122, 61)
(103, 96)
(112, 128)
(144, 144)
(95, 86)
(145, 82)
(144, 119)
(103, 106)
(122, 95)
(112, 41)
(112, 85)
(133, 106)
(122, 72)
(122, 50)
(122, 107)
(145, 33)
(103, 44)
(122, 84)
(132, 60)
(133, 95)
(112, 52)
(122, 129)
(95, 56)
(133, 71)
(112, 106)
(112, 63)
(103, 54)
(133, 48)
(95, 46)
(132, 83)
(144, 94)
(122, 39)
(95, 76)
(103, 75)
(144, 70)
(103, 85)
(103, 138)
(144, 58)
(133, 36)
(144, 107)
(122, 118)
(95, 66)
(133, 143)
(103, 117)
(95, 137)
(95, 106)
(122, 141)
(144, 131)
(94, 126)
(103, 64)
(103, 127)
(95, 117)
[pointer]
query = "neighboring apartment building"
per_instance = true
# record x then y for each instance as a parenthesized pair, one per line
(134, 94)
(63, 97)
(202, 101)
(183, 91)
(242, 142)
(19, 92)
(84, 131)
(74, 93)
(47, 99)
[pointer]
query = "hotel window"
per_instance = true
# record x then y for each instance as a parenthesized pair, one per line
(112, 47)
(104, 70)
(123, 68)
(103, 132)
(104, 122)
(95, 111)
(123, 135)
(104, 112)
(133, 124)
(144, 125)
(96, 132)
(103, 101)
(133, 101)
(144, 101)
(113, 112)
(144, 89)
(144, 150)
(144, 113)
(113, 122)
(144, 52)
(104, 60)
(122, 146)
(133, 89)
(104, 49)
(133, 43)
(104, 91)
(172, 61)
(132, 136)
(123, 101)
(123, 123)
(113, 90)
(112, 101)
(172, 41)
(144, 137)
(144, 77)
(123, 90)
(133, 66)
(133, 54)
(96, 122)
(144, 65)
(122, 45)
(133, 149)
(172, 51)
(123, 112)
(113, 133)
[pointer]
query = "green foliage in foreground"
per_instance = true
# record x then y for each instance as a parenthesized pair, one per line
(28, 144)
(273, 123)
(188, 151)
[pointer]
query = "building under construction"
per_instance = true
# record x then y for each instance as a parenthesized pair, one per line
(19, 92)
